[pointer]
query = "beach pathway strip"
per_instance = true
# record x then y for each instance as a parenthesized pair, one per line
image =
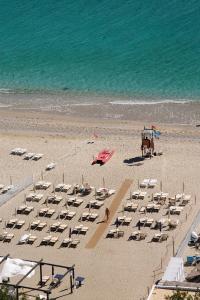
(113, 208)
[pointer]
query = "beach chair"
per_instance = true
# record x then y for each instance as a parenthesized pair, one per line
(19, 224)
(57, 199)
(44, 280)
(53, 240)
(92, 217)
(137, 236)
(84, 230)
(46, 185)
(152, 183)
(150, 207)
(56, 280)
(127, 221)
(77, 229)
(31, 239)
(28, 210)
(98, 204)
(115, 233)
(144, 183)
(41, 226)
(142, 221)
(142, 210)
(37, 156)
(111, 233)
(149, 222)
(160, 237)
(11, 223)
(23, 239)
(120, 219)
(63, 214)
(50, 199)
(50, 166)
(21, 209)
(59, 187)
(3, 235)
(50, 213)
(30, 197)
(78, 202)
(135, 194)
(43, 211)
(46, 240)
(37, 197)
(70, 215)
(71, 200)
(55, 226)
(66, 242)
(130, 206)
(66, 188)
(84, 216)
(34, 224)
(142, 195)
(8, 237)
(62, 227)
(74, 243)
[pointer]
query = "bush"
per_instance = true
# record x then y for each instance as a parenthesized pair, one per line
(178, 295)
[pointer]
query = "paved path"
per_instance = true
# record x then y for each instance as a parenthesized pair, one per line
(113, 208)
(186, 239)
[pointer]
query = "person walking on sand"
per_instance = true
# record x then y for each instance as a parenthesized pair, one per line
(107, 213)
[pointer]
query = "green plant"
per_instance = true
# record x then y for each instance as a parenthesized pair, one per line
(179, 295)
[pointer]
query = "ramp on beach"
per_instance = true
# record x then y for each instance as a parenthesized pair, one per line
(113, 208)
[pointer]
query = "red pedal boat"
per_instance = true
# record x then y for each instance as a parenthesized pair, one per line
(103, 157)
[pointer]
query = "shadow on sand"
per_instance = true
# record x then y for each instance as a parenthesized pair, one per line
(134, 161)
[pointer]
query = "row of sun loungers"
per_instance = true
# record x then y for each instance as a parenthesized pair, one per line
(130, 206)
(34, 197)
(123, 220)
(137, 235)
(103, 193)
(54, 199)
(38, 225)
(24, 209)
(28, 156)
(175, 210)
(18, 151)
(88, 216)
(15, 223)
(66, 214)
(138, 195)
(61, 187)
(96, 204)
(73, 201)
(160, 196)
(46, 212)
(33, 156)
(149, 183)
(6, 237)
(42, 185)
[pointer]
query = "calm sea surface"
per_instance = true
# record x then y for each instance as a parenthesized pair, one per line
(141, 49)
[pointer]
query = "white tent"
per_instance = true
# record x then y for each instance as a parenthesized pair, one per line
(13, 267)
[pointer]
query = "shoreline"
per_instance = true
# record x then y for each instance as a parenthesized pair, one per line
(103, 108)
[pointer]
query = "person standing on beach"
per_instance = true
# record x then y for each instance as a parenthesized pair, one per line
(107, 213)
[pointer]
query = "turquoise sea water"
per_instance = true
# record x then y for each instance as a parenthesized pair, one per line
(139, 48)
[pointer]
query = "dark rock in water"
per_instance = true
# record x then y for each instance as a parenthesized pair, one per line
(65, 88)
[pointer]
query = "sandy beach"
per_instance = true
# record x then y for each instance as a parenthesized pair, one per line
(114, 268)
